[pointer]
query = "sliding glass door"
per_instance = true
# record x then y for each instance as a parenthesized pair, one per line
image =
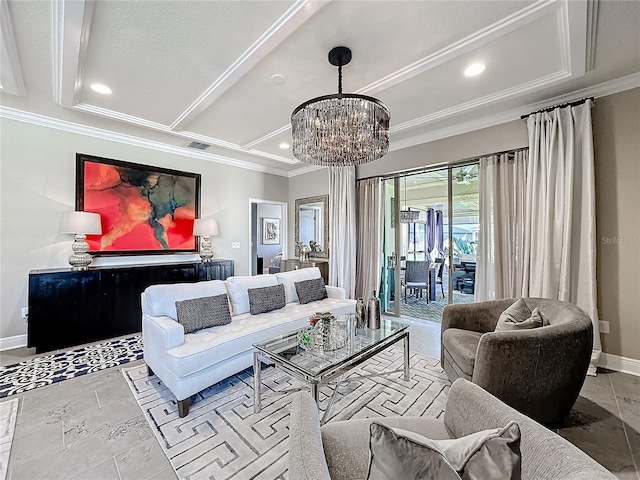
(430, 235)
(463, 233)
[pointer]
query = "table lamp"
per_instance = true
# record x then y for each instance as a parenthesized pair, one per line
(205, 227)
(80, 224)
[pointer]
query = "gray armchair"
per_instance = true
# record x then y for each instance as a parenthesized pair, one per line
(539, 372)
(275, 264)
(340, 450)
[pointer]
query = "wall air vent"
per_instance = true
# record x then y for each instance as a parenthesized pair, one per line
(197, 145)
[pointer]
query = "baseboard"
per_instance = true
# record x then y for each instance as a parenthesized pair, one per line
(620, 364)
(16, 341)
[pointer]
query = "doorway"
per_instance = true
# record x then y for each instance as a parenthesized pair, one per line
(430, 237)
(267, 234)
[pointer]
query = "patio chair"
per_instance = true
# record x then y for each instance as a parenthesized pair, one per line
(416, 278)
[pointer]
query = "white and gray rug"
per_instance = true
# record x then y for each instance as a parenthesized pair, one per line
(56, 367)
(222, 438)
(8, 415)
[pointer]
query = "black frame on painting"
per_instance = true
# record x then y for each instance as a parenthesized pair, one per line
(81, 160)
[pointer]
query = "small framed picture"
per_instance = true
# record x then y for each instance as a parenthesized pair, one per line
(270, 231)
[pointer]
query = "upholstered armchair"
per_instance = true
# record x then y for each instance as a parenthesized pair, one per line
(539, 372)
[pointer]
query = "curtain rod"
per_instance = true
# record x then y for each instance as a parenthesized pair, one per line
(440, 166)
(563, 105)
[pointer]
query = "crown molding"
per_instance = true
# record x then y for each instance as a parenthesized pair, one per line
(71, 24)
(11, 79)
(121, 117)
(598, 91)
(48, 122)
(293, 18)
(479, 102)
(141, 122)
(303, 170)
(268, 136)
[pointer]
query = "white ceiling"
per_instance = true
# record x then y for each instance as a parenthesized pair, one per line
(201, 70)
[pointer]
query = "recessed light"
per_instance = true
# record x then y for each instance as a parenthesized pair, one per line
(284, 145)
(474, 69)
(278, 78)
(101, 88)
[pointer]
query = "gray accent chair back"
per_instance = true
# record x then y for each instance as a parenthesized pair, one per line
(340, 450)
(539, 372)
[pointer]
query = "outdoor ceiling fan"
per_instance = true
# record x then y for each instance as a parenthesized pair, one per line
(465, 178)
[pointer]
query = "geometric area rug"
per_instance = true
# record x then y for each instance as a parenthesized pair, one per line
(222, 438)
(56, 367)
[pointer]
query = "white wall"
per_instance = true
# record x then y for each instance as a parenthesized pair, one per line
(37, 183)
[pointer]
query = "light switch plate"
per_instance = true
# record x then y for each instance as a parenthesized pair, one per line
(604, 326)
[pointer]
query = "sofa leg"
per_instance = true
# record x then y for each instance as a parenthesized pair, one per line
(183, 407)
(149, 371)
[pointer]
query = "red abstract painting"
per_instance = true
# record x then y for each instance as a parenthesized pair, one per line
(143, 209)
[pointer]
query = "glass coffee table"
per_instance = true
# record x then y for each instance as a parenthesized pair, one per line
(323, 367)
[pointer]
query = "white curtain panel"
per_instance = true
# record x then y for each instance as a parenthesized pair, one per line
(502, 186)
(369, 221)
(342, 228)
(560, 228)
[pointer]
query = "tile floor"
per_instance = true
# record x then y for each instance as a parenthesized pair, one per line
(90, 427)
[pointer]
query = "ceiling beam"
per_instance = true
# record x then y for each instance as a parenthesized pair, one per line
(71, 25)
(11, 80)
(293, 18)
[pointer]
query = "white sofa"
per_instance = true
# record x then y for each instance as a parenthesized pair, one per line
(189, 363)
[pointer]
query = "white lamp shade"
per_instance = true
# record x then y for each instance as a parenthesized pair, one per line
(80, 222)
(205, 226)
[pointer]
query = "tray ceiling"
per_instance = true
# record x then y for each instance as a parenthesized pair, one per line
(201, 70)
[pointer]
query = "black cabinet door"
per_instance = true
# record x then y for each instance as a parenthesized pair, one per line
(68, 315)
(216, 270)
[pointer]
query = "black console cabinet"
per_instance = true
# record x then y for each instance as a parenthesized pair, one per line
(69, 308)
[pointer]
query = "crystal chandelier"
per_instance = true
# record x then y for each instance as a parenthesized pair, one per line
(340, 129)
(408, 216)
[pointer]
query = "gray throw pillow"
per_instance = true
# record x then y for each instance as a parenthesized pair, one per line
(397, 453)
(538, 317)
(266, 299)
(311, 290)
(519, 317)
(198, 313)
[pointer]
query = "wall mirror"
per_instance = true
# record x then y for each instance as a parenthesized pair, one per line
(312, 224)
